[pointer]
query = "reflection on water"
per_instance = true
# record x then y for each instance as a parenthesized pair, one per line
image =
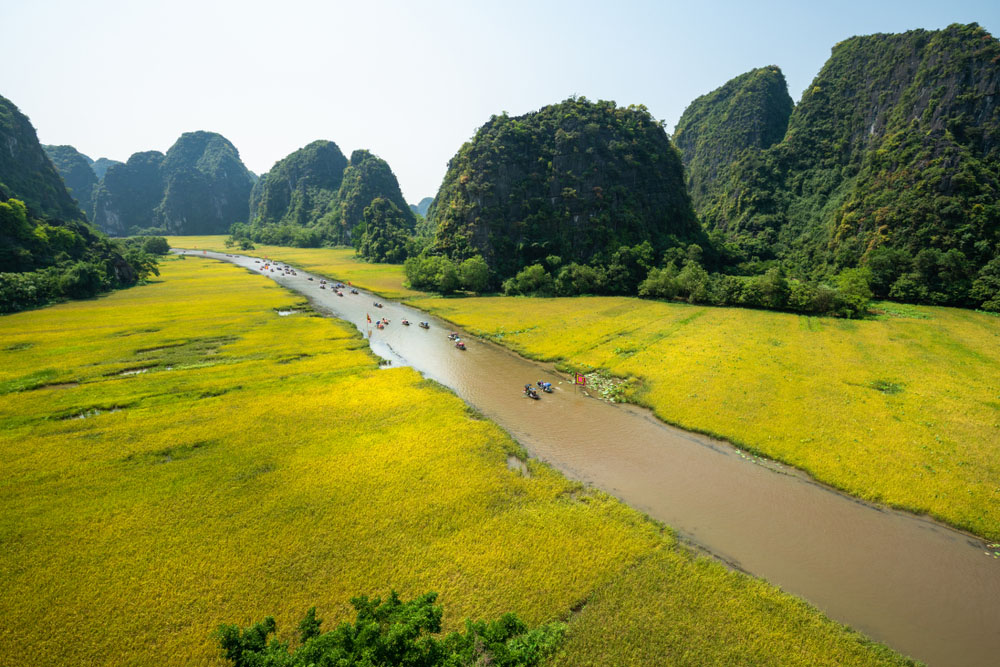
(926, 590)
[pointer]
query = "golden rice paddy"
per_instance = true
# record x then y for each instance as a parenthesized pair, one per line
(902, 410)
(180, 455)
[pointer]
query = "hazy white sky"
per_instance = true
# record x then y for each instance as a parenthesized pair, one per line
(410, 80)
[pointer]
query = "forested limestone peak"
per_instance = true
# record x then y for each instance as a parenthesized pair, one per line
(576, 180)
(749, 112)
(199, 187)
(367, 178)
(301, 189)
(26, 172)
(891, 161)
(76, 170)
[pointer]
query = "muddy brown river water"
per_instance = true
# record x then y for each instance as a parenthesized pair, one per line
(924, 589)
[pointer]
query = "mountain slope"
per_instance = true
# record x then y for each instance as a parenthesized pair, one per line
(367, 178)
(26, 171)
(76, 170)
(300, 189)
(575, 179)
(749, 112)
(199, 187)
(891, 161)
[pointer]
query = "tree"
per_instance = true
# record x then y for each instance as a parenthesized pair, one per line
(390, 633)
(474, 274)
(660, 283)
(534, 280)
(986, 288)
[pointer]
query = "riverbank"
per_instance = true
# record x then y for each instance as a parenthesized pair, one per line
(180, 455)
(902, 410)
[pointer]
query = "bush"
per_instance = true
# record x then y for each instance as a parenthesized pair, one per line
(660, 283)
(474, 274)
(533, 280)
(393, 632)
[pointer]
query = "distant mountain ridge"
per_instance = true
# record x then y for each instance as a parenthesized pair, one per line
(422, 207)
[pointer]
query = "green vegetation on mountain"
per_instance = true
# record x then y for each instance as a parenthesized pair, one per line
(101, 166)
(891, 162)
(44, 261)
(77, 173)
(297, 199)
(748, 112)
(127, 196)
(576, 180)
(199, 187)
(387, 233)
(366, 178)
(47, 251)
(315, 197)
(26, 171)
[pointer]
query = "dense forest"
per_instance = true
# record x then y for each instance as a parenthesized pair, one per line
(890, 163)
(47, 250)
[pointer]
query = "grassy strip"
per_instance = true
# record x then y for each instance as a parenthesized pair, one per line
(193, 458)
(899, 410)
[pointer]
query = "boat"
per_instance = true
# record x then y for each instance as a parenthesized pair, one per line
(405, 323)
(424, 325)
(460, 345)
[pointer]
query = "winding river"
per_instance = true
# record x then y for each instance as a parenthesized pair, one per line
(924, 589)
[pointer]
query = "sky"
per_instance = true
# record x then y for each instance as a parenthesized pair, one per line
(409, 80)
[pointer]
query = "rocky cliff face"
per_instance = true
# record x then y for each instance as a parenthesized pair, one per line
(748, 113)
(894, 150)
(576, 179)
(26, 171)
(301, 189)
(76, 170)
(199, 187)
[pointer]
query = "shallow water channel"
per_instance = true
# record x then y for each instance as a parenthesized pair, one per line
(924, 589)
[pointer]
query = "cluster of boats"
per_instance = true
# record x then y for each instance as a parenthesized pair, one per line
(532, 392)
(459, 343)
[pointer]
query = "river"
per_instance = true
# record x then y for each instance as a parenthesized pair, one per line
(924, 589)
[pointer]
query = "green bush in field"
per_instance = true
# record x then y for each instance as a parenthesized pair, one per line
(390, 633)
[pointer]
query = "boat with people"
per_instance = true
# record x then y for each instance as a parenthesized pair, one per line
(460, 345)
(545, 386)
(354, 291)
(424, 325)
(530, 392)
(405, 323)
(453, 335)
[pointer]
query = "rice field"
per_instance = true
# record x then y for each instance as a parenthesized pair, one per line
(341, 263)
(903, 409)
(182, 454)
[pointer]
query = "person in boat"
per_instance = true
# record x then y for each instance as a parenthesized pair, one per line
(424, 325)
